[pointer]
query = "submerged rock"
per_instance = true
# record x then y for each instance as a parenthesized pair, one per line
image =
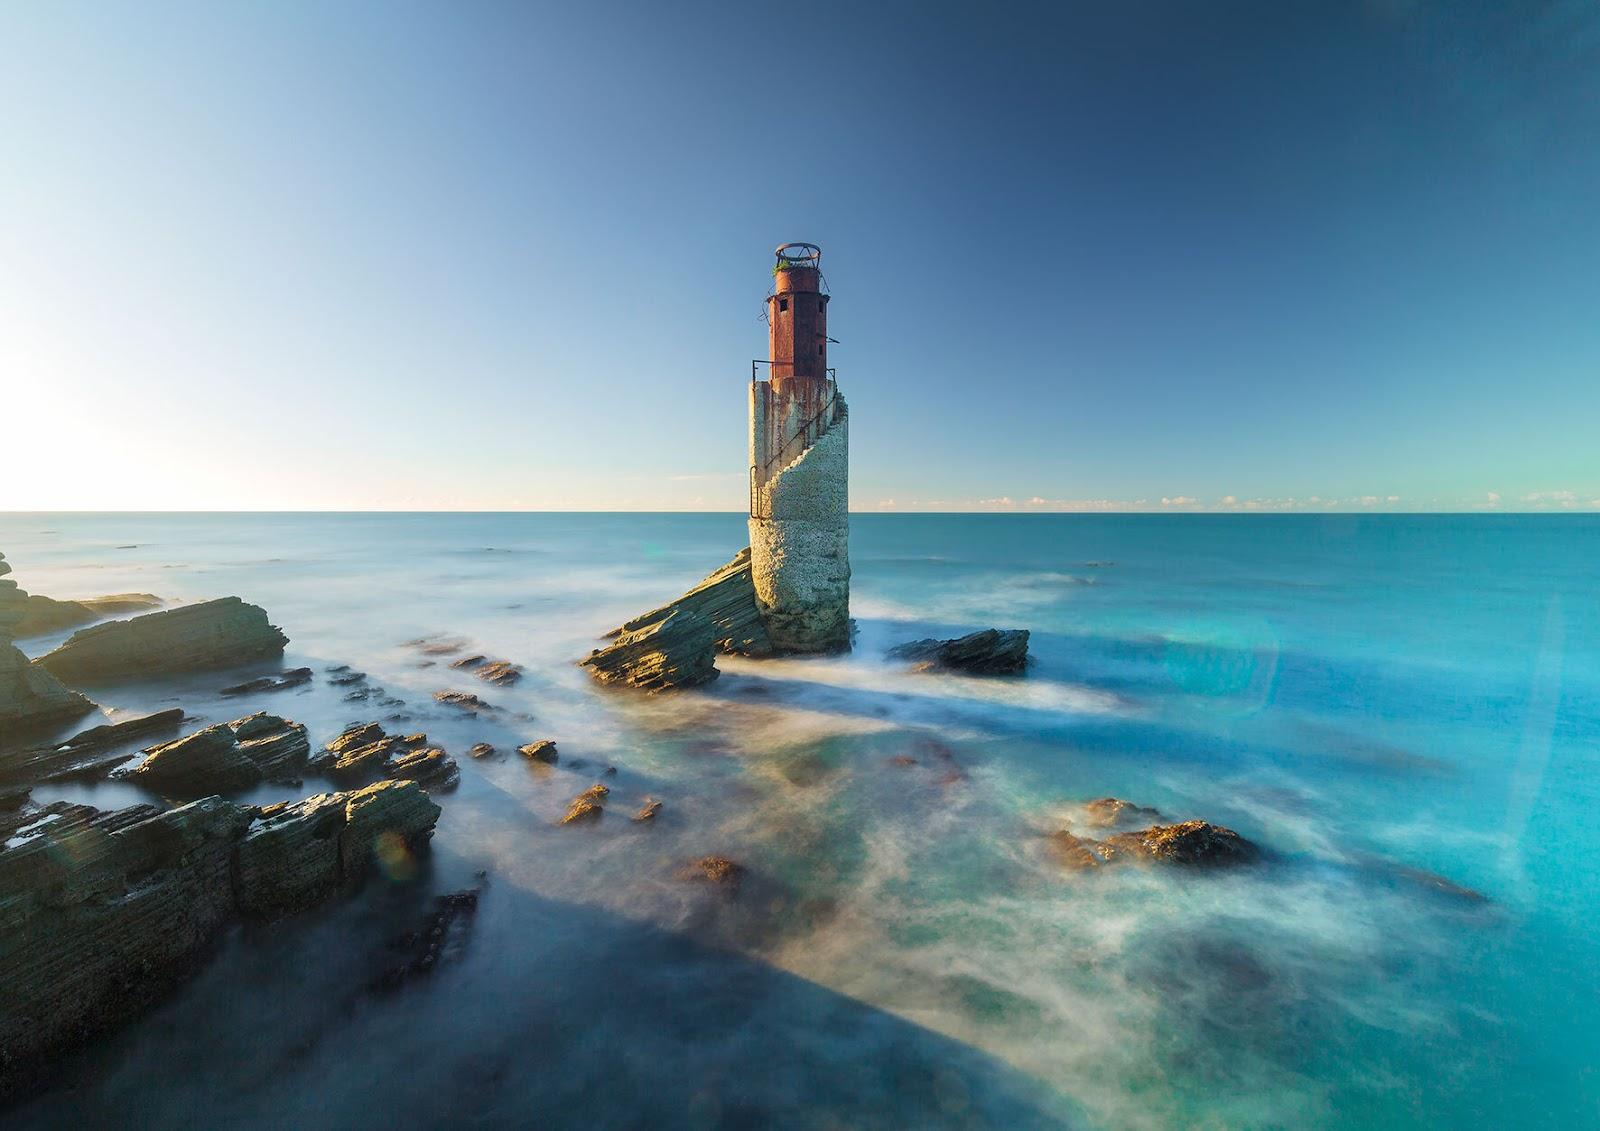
(717, 869)
(44, 615)
(441, 935)
(991, 651)
(294, 677)
(1109, 812)
(490, 671)
(482, 750)
(648, 811)
(222, 633)
(105, 912)
(463, 699)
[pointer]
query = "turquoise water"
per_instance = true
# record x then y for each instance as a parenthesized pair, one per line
(1389, 705)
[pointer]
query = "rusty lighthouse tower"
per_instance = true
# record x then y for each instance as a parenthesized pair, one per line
(799, 467)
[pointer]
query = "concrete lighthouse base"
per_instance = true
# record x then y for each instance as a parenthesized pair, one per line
(800, 555)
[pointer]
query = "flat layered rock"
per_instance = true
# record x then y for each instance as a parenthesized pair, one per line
(991, 651)
(89, 754)
(294, 677)
(226, 757)
(726, 598)
(44, 615)
(223, 633)
(677, 651)
(364, 751)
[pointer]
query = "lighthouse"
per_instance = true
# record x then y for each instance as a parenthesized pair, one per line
(799, 467)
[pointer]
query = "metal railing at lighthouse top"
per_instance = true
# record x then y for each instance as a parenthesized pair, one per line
(806, 435)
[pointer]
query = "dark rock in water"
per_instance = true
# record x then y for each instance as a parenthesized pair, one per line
(468, 661)
(583, 809)
(902, 760)
(223, 633)
(675, 652)
(87, 755)
(436, 645)
(1189, 842)
(300, 853)
(609, 772)
(226, 757)
(648, 811)
(347, 677)
(440, 936)
(294, 677)
(542, 751)
(991, 651)
(31, 699)
(596, 792)
(482, 750)
(717, 869)
(360, 695)
(105, 912)
(727, 598)
(1109, 812)
(44, 615)
(463, 699)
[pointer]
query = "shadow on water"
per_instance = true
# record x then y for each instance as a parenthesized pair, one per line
(554, 1014)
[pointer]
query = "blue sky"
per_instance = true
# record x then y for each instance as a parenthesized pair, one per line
(485, 255)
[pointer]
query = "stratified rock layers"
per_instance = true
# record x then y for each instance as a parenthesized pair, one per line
(676, 645)
(799, 548)
(30, 698)
(222, 633)
(103, 912)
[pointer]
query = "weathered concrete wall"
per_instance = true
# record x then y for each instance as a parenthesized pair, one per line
(800, 556)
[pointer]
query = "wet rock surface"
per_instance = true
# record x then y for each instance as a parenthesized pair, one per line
(1188, 843)
(991, 651)
(223, 633)
(490, 671)
(440, 936)
(464, 700)
(106, 911)
(727, 598)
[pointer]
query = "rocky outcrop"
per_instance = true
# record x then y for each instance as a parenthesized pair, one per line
(87, 755)
(223, 633)
(727, 598)
(676, 645)
(226, 758)
(490, 671)
(31, 699)
(105, 912)
(1191, 843)
(648, 811)
(465, 700)
(717, 869)
(364, 751)
(677, 651)
(542, 751)
(44, 615)
(991, 651)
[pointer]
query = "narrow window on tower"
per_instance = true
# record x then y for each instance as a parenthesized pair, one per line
(819, 351)
(783, 304)
(820, 305)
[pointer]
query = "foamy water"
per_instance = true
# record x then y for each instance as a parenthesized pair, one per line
(1377, 702)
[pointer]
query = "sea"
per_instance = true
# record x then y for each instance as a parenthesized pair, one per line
(1401, 711)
